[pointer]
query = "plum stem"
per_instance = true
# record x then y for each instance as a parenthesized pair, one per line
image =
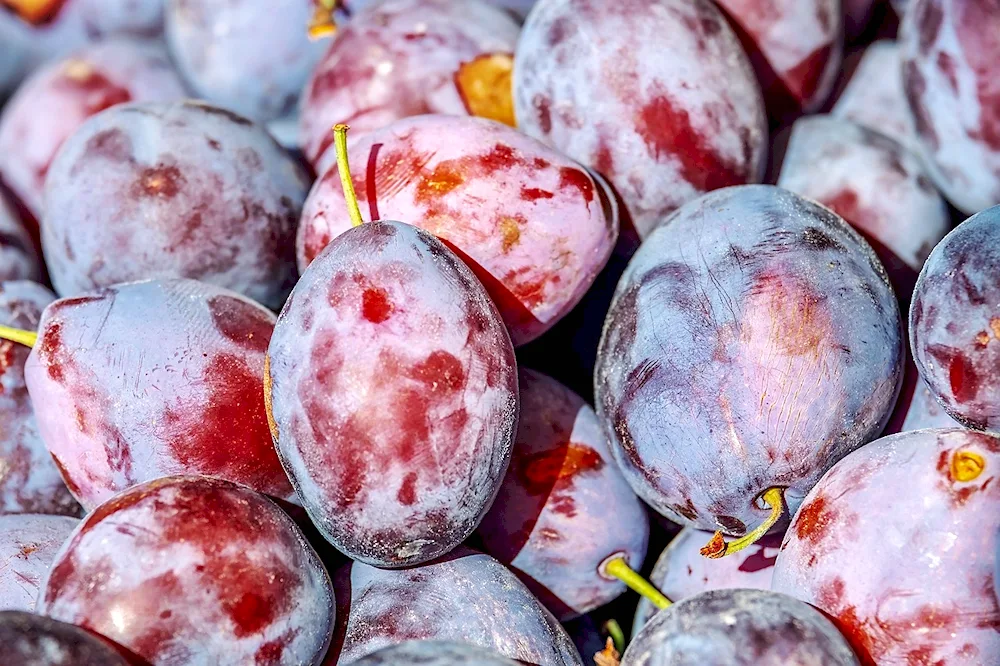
(26, 338)
(619, 568)
(323, 23)
(717, 546)
(344, 167)
(616, 634)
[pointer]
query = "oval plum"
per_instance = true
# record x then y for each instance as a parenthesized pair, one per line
(433, 653)
(27, 639)
(18, 258)
(28, 545)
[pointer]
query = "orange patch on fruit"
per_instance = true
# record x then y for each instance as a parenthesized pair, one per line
(35, 12)
(485, 86)
(442, 180)
(267, 398)
(510, 232)
(541, 471)
(715, 548)
(995, 327)
(967, 466)
(982, 338)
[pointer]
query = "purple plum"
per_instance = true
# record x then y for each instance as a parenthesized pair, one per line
(433, 653)
(28, 545)
(27, 639)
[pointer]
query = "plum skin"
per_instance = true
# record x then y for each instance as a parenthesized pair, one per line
(27, 639)
(28, 545)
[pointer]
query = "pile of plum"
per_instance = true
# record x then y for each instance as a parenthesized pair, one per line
(446, 332)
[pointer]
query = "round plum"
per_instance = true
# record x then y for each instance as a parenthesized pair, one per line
(924, 594)
(753, 341)
(28, 545)
(149, 379)
(192, 570)
(656, 95)
(27, 639)
(528, 221)
(434, 653)
(19, 259)
(164, 190)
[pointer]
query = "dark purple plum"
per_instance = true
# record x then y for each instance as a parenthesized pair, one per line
(18, 258)
(160, 190)
(434, 653)
(739, 628)
(466, 597)
(28, 545)
(187, 571)
(753, 341)
(955, 322)
(27, 639)
(896, 543)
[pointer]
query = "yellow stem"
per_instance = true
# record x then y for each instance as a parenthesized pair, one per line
(340, 146)
(26, 338)
(717, 546)
(620, 569)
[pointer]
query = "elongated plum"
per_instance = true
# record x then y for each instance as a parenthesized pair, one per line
(28, 545)
(528, 221)
(564, 508)
(57, 98)
(955, 322)
(191, 570)
(466, 597)
(434, 653)
(753, 341)
(164, 190)
(393, 390)
(148, 379)
(18, 258)
(27, 639)
(656, 95)
(924, 594)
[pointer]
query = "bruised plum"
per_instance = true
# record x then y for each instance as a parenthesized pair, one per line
(955, 322)
(434, 653)
(466, 597)
(27, 639)
(148, 379)
(192, 570)
(897, 544)
(393, 390)
(739, 628)
(18, 258)
(753, 341)
(564, 508)
(28, 545)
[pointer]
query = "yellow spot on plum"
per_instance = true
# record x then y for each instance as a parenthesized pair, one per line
(995, 326)
(967, 465)
(982, 338)
(77, 70)
(511, 233)
(485, 85)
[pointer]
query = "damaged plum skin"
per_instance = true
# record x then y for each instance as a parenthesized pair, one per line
(57, 98)
(955, 323)
(925, 593)
(173, 190)
(466, 596)
(27, 639)
(28, 545)
(190, 571)
(951, 73)
(395, 59)
(563, 508)
(528, 221)
(183, 398)
(657, 96)
(753, 341)
(396, 443)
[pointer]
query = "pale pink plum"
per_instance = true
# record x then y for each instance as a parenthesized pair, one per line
(148, 379)
(896, 543)
(29, 479)
(951, 73)
(28, 545)
(530, 222)
(19, 259)
(564, 509)
(187, 571)
(57, 98)
(395, 59)
(656, 95)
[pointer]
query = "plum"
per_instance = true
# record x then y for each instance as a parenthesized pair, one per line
(656, 95)
(192, 570)
(955, 325)
(925, 412)
(753, 341)
(563, 509)
(398, 58)
(739, 628)
(148, 379)
(18, 258)
(924, 593)
(857, 15)
(28, 545)
(529, 221)
(466, 597)
(57, 98)
(875, 184)
(433, 653)
(27, 639)
(29, 479)
(951, 74)
(163, 190)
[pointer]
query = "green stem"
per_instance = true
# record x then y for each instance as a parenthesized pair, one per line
(344, 167)
(717, 546)
(26, 338)
(617, 635)
(619, 568)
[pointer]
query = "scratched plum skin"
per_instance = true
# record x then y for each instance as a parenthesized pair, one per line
(739, 628)
(18, 258)
(955, 322)
(27, 639)
(529, 221)
(564, 508)
(187, 571)
(466, 597)
(179, 189)
(925, 592)
(951, 73)
(55, 100)
(149, 379)
(395, 59)
(752, 342)
(657, 96)
(682, 571)
(434, 653)
(29, 479)
(28, 545)
(396, 442)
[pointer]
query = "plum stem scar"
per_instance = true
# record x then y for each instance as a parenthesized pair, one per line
(26, 338)
(717, 546)
(344, 167)
(619, 568)
(322, 23)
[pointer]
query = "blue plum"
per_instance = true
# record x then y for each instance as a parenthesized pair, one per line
(433, 653)
(28, 545)
(27, 639)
